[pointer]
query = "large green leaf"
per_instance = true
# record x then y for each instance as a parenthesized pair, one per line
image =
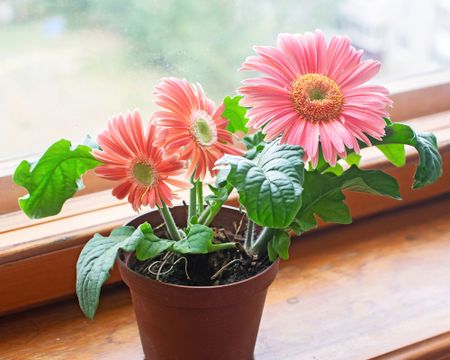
(270, 186)
(235, 114)
(323, 197)
(430, 161)
(54, 178)
(95, 262)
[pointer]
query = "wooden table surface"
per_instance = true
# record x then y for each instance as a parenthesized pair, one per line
(348, 292)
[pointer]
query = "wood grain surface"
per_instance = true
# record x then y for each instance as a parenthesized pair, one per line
(380, 287)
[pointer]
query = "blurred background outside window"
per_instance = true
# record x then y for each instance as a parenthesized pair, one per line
(67, 66)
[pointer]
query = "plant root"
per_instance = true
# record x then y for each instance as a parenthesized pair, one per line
(222, 269)
(185, 265)
(163, 262)
(238, 229)
(160, 226)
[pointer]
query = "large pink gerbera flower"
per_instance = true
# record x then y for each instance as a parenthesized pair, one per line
(129, 156)
(191, 126)
(312, 91)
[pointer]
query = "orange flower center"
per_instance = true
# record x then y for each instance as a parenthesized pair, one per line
(203, 128)
(143, 173)
(316, 97)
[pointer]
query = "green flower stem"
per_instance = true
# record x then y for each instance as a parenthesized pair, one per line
(199, 186)
(192, 200)
(170, 222)
(222, 246)
(249, 234)
(260, 245)
(211, 211)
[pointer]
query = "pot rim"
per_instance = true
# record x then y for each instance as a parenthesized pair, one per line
(127, 255)
(229, 207)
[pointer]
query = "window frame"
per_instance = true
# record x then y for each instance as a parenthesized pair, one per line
(413, 97)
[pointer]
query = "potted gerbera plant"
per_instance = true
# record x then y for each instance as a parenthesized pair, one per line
(198, 272)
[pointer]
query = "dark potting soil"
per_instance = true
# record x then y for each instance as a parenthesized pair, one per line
(217, 268)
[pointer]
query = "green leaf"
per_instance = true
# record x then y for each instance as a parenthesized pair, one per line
(54, 178)
(255, 144)
(151, 245)
(235, 114)
(296, 227)
(430, 161)
(353, 159)
(395, 153)
(322, 194)
(270, 186)
(373, 182)
(221, 178)
(271, 252)
(95, 262)
(254, 140)
(336, 170)
(199, 241)
(218, 194)
(279, 245)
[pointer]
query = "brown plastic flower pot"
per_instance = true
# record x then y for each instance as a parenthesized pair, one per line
(197, 322)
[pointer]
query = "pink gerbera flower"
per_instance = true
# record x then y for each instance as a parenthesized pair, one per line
(129, 156)
(312, 91)
(190, 125)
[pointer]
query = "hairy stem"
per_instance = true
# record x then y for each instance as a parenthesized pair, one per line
(199, 186)
(192, 200)
(260, 245)
(170, 222)
(249, 234)
(211, 210)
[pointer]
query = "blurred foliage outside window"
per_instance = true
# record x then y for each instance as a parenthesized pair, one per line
(67, 66)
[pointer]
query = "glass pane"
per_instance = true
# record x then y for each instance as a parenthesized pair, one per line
(67, 66)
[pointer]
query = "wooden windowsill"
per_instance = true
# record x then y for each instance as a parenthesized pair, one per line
(380, 287)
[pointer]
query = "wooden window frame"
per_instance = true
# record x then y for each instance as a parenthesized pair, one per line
(40, 255)
(413, 97)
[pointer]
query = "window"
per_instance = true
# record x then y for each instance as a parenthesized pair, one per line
(67, 66)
